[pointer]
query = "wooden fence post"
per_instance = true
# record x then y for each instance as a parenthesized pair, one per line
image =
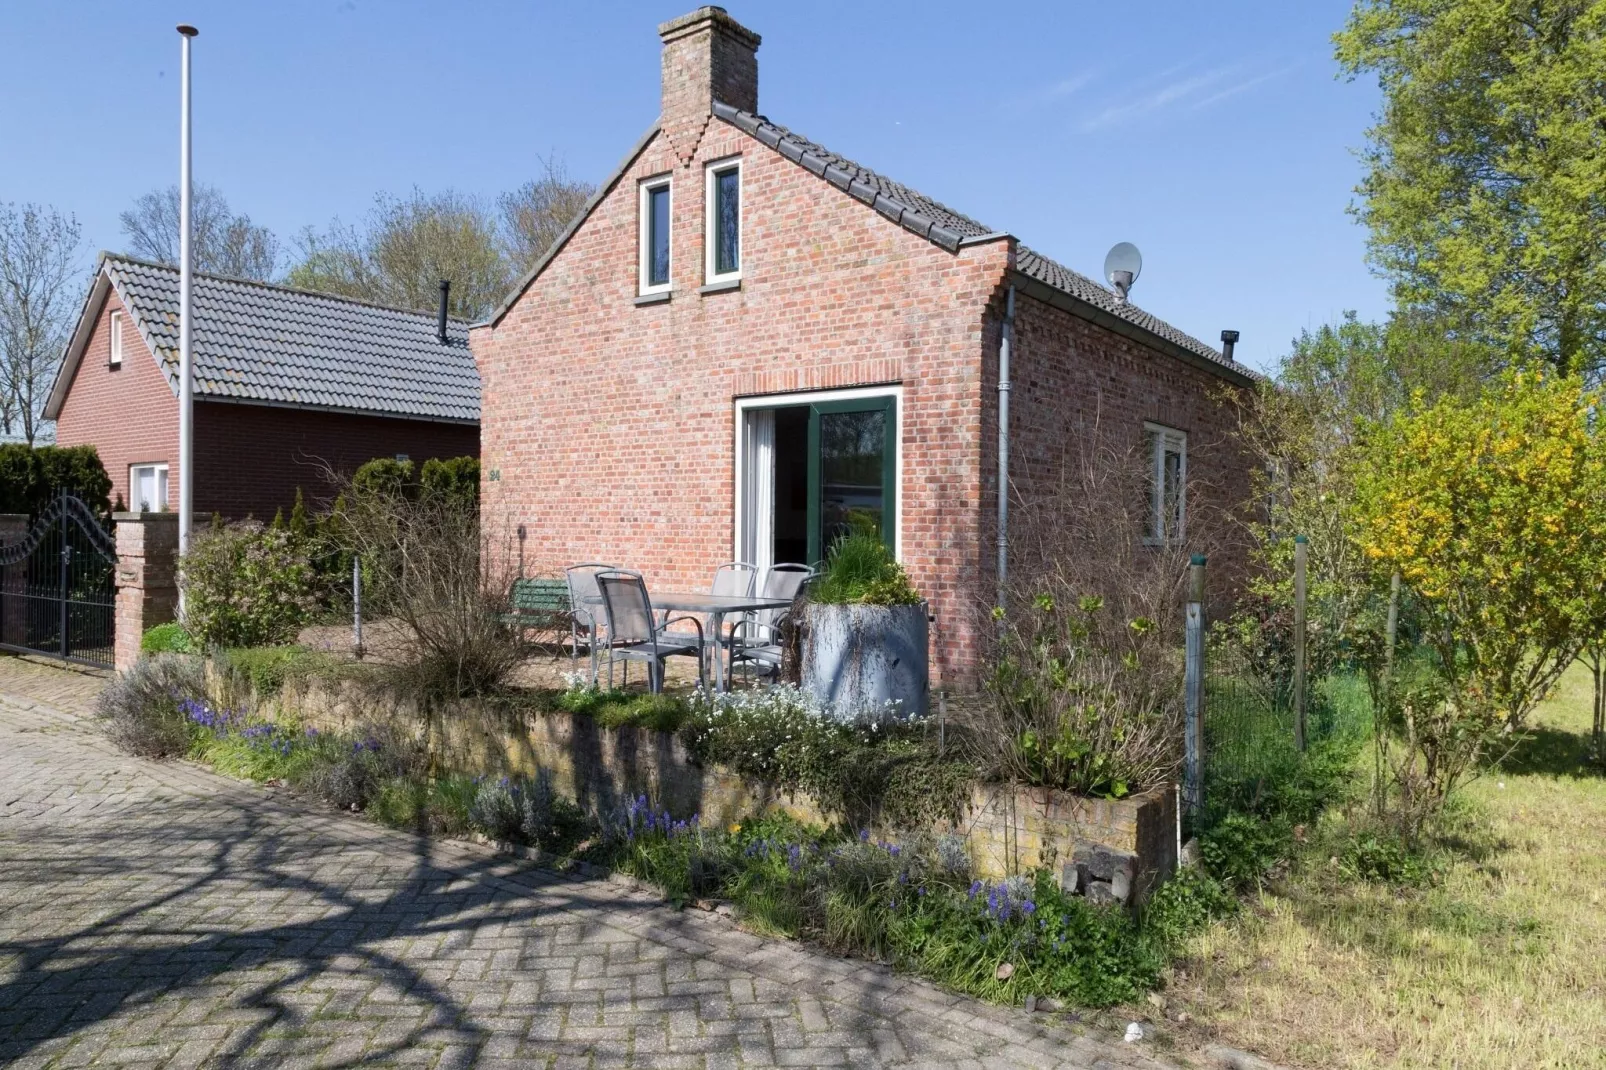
(1194, 690)
(1301, 552)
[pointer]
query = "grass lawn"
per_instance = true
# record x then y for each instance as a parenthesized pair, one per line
(1501, 963)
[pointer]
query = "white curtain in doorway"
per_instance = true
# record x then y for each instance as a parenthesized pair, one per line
(758, 496)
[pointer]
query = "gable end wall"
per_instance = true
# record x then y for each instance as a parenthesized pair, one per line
(608, 426)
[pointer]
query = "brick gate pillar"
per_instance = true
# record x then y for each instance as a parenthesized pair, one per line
(147, 578)
(13, 526)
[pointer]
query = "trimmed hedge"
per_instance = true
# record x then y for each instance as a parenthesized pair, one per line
(30, 476)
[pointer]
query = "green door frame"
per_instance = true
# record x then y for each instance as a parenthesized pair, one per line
(889, 468)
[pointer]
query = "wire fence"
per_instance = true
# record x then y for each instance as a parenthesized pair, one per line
(1250, 736)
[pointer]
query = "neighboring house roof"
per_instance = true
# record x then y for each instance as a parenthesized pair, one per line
(260, 344)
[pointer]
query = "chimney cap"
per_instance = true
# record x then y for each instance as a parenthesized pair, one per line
(1229, 337)
(708, 14)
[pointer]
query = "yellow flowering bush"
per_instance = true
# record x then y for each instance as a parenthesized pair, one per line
(1493, 512)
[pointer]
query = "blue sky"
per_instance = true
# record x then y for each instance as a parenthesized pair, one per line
(1214, 136)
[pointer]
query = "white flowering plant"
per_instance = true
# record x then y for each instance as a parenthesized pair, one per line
(878, 766)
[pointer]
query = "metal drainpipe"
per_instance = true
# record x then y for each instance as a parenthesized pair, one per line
(1004, 345)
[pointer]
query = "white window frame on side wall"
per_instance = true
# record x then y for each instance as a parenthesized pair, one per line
(158, 469)
(644, 210)
(711, 175)
(1163, 440)
(115, 330)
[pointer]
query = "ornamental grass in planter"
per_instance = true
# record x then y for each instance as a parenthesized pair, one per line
(865, 638)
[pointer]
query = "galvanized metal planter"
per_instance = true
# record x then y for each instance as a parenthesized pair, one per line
(858, 658)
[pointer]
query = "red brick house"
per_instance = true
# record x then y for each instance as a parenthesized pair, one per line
(745, 339)
(286, 382)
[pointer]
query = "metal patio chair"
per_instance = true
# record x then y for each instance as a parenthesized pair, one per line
(736, 578)
(756, 641)
(584, 598)
(634, 634)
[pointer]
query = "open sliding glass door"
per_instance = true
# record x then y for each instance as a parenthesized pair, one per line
(812, 472)
(852, 454)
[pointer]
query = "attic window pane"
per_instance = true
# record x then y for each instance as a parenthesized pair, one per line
(658, 236)
(117, 338)
(727, 221)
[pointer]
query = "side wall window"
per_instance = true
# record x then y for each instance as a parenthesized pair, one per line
(1168, 510)
(116, 331)
(147, 488)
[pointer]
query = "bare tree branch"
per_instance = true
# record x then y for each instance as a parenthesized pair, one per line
(538, 212)
(225, 243)
(40, 263)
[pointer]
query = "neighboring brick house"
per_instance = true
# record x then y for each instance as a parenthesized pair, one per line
(287, 384)
(746, 340)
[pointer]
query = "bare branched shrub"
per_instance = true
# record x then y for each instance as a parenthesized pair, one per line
(431, 567)
(1087, 676)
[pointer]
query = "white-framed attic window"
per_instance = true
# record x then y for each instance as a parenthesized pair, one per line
(1168, 483)
(115, 331)
(656, 221)
(722, 220)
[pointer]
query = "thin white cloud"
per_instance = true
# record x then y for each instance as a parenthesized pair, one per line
(1241, 87)
(1053, 92)
(1068, 86)
(1192, 92)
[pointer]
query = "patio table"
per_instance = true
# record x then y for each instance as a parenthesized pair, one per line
(715, 606)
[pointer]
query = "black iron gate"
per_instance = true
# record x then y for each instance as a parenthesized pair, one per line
(57, 586)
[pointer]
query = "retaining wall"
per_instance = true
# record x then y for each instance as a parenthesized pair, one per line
(1118, 849)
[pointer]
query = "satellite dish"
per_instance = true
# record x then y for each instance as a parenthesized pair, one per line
(1122, 265)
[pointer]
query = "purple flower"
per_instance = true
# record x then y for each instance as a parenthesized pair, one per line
(975, 889)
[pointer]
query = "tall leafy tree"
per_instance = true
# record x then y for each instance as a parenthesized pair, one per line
(1485, 188)
(225, 243)
(404, 248)
(41, 265)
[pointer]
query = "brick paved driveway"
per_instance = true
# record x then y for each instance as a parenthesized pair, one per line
(157, 915)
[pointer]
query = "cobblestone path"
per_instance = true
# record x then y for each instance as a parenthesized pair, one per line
(157, 915)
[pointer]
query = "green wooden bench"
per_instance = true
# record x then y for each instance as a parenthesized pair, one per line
(540, 604)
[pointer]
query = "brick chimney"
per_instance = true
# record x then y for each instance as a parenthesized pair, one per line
(708, 56)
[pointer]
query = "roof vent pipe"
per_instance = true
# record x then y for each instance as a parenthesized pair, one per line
(446, 296)
(1228, 340)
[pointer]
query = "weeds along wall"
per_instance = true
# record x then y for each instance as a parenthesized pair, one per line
(1009, 830)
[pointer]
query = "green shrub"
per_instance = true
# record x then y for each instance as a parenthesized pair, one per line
(1183, 906)
(143, 710)
(859, 569)
(905, 903)
(384, 475)
(452, 477)
(1242, 850)
(31, 476)
(868, 771)
(525, 810)
(438, 805)
(266, 668)
(1384, 856)
(620, 709)
(245, 585)
(169, 638)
